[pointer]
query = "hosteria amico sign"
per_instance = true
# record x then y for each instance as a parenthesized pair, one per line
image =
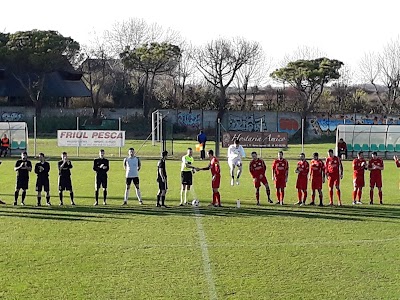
(256, 139)
(90, 138)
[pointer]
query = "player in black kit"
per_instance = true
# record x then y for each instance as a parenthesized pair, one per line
(64, 178)
(162, 180)
(42, 169)
(23, 166)
(101, 166)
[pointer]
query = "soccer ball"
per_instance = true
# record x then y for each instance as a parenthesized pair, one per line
(195, 203)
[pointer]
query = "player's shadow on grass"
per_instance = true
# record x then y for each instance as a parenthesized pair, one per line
(101, 213)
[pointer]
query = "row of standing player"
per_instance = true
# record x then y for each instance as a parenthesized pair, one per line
(316, 171)
(101, 166)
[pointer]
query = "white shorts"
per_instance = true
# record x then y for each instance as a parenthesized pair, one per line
(236, 162)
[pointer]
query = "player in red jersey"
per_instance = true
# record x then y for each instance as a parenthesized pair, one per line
(334, 172)
(359, 167)
(375, 165)
(303, 167)
(257, 170)
(280, 170)
(396, 161)
(216, 177)
(317, 177)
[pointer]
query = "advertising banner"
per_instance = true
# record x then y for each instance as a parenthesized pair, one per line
(90, 138)
(256, 139)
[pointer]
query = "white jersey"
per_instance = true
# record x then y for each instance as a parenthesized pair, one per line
(131, 165)
(235, 153)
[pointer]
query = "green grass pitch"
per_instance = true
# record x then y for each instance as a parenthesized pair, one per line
(144, 252)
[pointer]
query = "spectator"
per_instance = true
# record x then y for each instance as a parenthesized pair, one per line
(5, 145)
(202, 139)
(342, 149)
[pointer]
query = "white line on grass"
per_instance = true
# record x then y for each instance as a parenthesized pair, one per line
(204, 252)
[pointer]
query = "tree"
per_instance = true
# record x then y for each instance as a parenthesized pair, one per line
(30, 55)
(384, 68)
(308, 78)
(219, 61)
(151, 60)
(251, 75)
(99, 72)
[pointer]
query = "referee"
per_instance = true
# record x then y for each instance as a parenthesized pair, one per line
(42, 169)
(101, 166)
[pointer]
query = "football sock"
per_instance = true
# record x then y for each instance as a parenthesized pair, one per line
(304, 196)
(158, 199)
(354, 195)
(23, 196)
(313, 196)
(105, 195)
(39, 199)
(219, 198)
(359, 195)
(162, 200)
(214, 198)
(185, 192)
(268, 193)
(338, 195)
(331, 196)
(278, 195)
(380, 196)
(258, 195)
(48, 199)
(16, 195)
(371, 195)
(181, 196)
(299, 194)
(96, 196)
(139, 195)
(239, 172)
(60, 194)
(320, 198)
(282, 194)
(126, 195)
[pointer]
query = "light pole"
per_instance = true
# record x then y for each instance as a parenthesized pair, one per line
(280, 94)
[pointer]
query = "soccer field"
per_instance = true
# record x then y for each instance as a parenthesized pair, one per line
(145, 252)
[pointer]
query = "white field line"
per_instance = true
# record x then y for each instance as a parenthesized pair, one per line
(206, 258)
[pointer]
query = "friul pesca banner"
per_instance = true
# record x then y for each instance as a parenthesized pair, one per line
(256, 139)
(90, 138)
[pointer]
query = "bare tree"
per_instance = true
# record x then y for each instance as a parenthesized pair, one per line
(302, 53)
(251, 74)
(384, 69)
(136, 32)
(219, 61)
(186, 69)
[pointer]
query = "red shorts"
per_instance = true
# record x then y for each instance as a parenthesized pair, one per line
(316, 183)
(301, 183)
(375, 182)
(280, 183)
(333, 181)
(358, 181)
(258, 181)
(216, 182)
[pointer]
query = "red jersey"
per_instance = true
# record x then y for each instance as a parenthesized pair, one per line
(333, 165)
(257, 167)
(280, 168)
(317, 168)
(214, 166)
(359, 165)
(375, 162)
(303, 167)
(342, 146)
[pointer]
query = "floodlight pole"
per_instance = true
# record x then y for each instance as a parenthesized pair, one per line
(119, 128)
(77, 128)
(34, 136)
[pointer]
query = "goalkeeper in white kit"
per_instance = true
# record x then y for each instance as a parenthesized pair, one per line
(235, 155)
